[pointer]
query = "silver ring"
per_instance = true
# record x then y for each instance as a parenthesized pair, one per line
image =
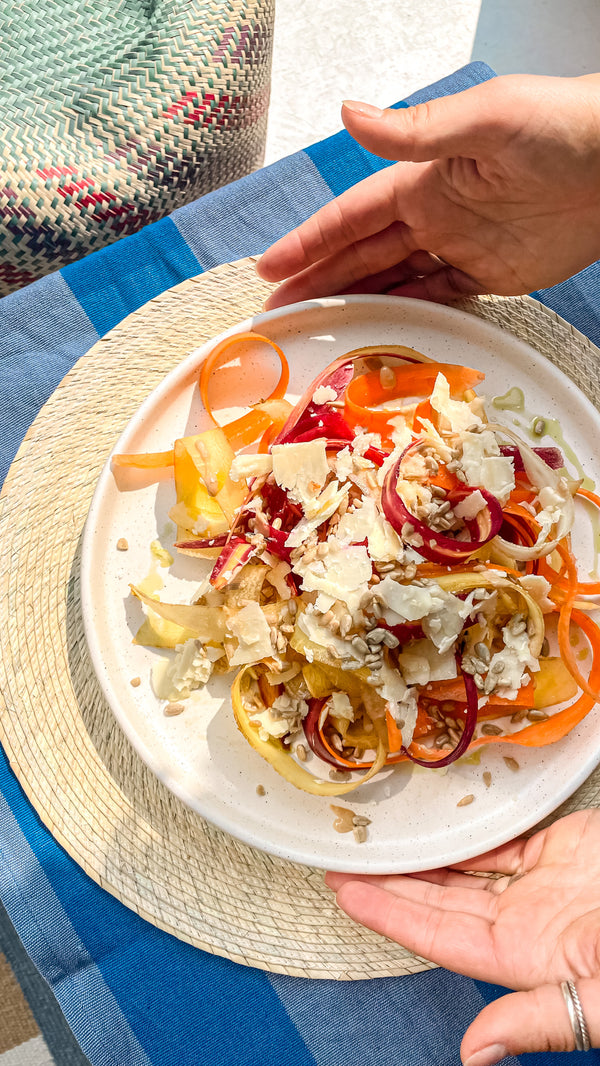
(576, 1018)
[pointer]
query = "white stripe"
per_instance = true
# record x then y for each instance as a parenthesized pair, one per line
(32, 1053)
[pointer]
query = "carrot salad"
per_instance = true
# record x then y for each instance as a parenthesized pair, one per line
(392, 578)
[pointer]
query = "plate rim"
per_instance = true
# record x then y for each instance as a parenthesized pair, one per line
(171, 379)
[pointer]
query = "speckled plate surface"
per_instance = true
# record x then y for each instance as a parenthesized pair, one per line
(200, 756)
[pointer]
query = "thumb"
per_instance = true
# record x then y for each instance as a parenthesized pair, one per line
(529, 1021)
(463, 124)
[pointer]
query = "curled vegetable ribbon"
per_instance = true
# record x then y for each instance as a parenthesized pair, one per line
(246, 429)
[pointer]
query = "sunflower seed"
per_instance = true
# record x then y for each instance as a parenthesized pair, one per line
(172, 709)
(260, 790)
(376, 635)
(464, 802)
(490, 730)
(539, 427)
(545, 649)
(518, 717)
(480, 666)
(390, 640)
(360, 645)
(360, 833)
(482, 652)
(374, 659)
(510, 762)
(487, 778)
(537, 715)
(339, 775)
(351, 664)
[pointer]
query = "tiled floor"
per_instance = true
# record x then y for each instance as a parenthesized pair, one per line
(329, 50)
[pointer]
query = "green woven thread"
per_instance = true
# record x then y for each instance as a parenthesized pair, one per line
(103, 104)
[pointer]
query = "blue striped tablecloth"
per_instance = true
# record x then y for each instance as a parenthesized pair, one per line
(132, 994)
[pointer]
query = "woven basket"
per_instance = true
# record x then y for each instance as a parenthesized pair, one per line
(115, 112)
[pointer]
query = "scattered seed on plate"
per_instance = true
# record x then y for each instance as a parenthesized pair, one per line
(172, 709)
(135, 682)
(510, 762)
(537, 715)
(464, 802)
(360, 833)
(339, 775)
(261, 790)
(518, 716)
(487, 778)
(488, 729)
(301, 752)
(122, 544)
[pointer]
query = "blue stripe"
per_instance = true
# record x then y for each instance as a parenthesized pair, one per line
(418, 1020)
(57, 950)
(115, 281)
(579, 298)
(36, 351)
(168, 987)
(342, 162)
(566, 1058)
(247, 216)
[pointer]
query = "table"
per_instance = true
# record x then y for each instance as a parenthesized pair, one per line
(132, 993)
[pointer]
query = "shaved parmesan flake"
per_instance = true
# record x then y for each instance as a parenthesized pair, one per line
(251, 628)
(246, 466)
(458, 413)
(324, 394)
(343, 574)
(302, 469)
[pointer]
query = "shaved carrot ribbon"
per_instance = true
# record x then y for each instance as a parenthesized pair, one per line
(367, 390)
(222, 353)
(557, 725)
(454, 689)
(145, 460)
(582, 588)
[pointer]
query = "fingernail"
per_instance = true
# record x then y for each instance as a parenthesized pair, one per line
(487, 1056)
(367, 110)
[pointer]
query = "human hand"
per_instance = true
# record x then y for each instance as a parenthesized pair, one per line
(498, 191)
(530, 929)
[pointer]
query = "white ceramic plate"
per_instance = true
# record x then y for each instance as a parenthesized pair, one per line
(200, 755)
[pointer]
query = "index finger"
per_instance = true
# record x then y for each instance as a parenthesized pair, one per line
(360, 212)
(463, 942)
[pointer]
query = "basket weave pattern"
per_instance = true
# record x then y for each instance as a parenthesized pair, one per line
(115, 114)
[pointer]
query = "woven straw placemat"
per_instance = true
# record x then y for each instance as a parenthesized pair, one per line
(89, 787)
